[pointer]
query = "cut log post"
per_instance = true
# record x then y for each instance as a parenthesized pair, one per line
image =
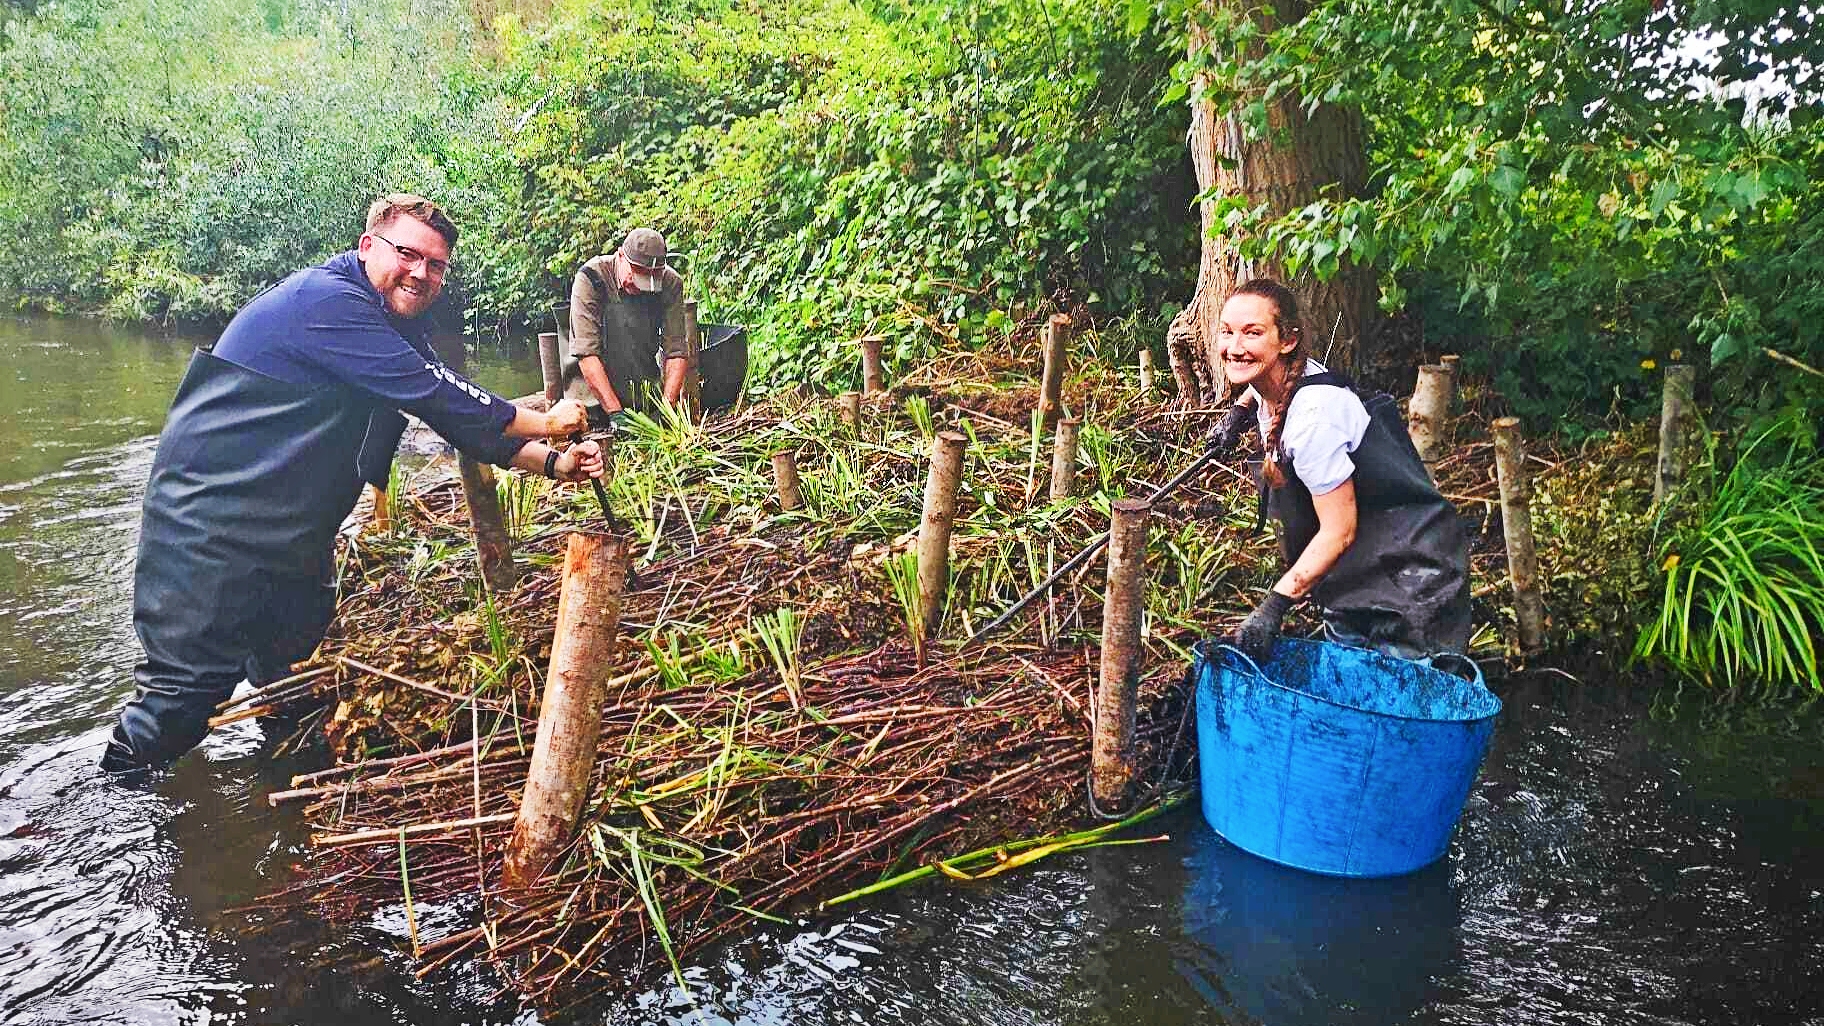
(873, 372)
(1064, 458)
(1051, 384)
(849, 405)
(383, 509)
(1677, 416)
(1428, 415)
(493, 548)
(934, 526)
(785, 479)
(1517, 525)
(1453, 364)
(1146, 371)
(1112, 758)
(570, 715)
(550, 364)
(692, 396)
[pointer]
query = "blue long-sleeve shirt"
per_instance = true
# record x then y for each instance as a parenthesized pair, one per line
(327, 325)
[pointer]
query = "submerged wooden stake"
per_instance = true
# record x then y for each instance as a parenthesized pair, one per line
(1517, 525)
(550, 364)
(692, 396)
(785, 479)
(1051, 385)
(570, 714)
(934, 526)
(1112, 760)
(1064, 458)
(1677, 414)
(1428, 416)
(873, 374)
(849, 404)
(493, 547)
(1146, 370)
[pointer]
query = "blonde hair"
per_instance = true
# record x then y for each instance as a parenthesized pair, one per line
(393, 206)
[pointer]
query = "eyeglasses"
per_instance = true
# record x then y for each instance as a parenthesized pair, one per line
(436, 268)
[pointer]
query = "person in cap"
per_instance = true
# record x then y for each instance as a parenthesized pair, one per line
(270, 438)
(626, 330)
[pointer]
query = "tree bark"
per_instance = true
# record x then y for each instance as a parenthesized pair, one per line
(1300, 159)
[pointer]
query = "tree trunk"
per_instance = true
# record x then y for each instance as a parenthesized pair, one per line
(1300, 159)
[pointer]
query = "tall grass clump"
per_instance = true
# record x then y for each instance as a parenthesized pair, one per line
(1744, 583)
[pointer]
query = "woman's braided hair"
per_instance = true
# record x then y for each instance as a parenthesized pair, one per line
(1286, 319)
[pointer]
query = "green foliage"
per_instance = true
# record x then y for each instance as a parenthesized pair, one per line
(1593, 525)
(1572, 193)
(1744, 584)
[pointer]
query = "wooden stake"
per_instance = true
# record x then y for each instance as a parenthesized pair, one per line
(1051, 385)
(1517, 525)
(570, 715)
(785, 479)
(383, 509)
(1453, 364)
(1064, 458)
(693, 362)
(1428, 415)
(550, 364)
(1677, 416)
(1112, 759)
(873, 374)
(934, 527)
(849, 404)
(1146, 371)
(493, 548)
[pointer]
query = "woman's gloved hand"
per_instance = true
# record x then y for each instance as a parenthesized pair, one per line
(1234, 424)
(1257, 633)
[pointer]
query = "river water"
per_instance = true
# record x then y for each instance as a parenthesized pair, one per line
(1624, 858)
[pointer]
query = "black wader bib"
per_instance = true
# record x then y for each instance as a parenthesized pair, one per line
(1402, 587)
(235, 576)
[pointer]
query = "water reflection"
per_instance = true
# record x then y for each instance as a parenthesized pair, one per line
(1280, 945)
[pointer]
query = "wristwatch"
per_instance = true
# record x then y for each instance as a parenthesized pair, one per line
(551, 464)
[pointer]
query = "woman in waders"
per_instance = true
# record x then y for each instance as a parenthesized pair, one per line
(1363, 530)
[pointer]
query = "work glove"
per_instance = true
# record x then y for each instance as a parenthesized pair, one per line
(618, 422)
(568, 418)
(1234, 424)
(1257, 633)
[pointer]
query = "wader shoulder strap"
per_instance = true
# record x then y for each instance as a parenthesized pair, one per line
(1325, 378)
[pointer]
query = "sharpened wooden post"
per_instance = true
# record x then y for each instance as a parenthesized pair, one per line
(1428, 415)
(873, 373)
(570, 714)
(1064, 458)
(1051, 385)
(1146, 371)
(785, 479)
(692, 395)
(848, 404)
(493, 548)
(1517, 525)
(550, 364)
(934, 526)
(1677, 414)
(383, 509)
(1112, 759)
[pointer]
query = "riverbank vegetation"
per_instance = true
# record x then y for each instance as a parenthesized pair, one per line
(1570, 198)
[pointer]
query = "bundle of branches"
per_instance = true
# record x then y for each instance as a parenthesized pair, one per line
(714, 806)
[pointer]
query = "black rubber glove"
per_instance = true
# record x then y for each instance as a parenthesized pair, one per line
(1234, 424)
(617, 422)
(1258, 632)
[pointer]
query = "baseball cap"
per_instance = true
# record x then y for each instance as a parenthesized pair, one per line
(644, 248)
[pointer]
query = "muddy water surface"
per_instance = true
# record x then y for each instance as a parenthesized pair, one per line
(1619, 862)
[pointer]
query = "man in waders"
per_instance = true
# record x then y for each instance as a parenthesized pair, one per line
(271, 436)
(626, 323)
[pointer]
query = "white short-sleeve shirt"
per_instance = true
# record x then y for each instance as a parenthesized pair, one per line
(1324, 424)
